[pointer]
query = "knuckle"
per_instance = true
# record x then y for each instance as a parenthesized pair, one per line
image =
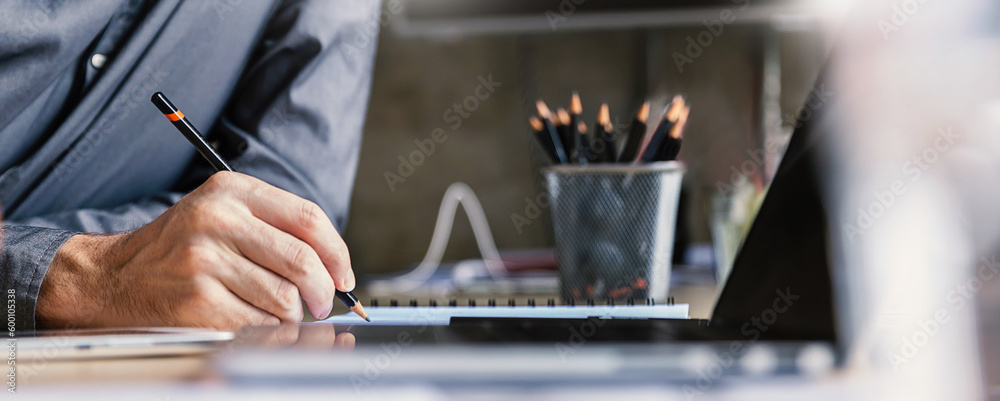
(289, 301)
(310, 215)
(206, 216)
(298, 256)
(220, 181)
(195, 258)
(343, 254)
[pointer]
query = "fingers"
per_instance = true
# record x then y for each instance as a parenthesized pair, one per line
(274, 336)
(320, 335)
(219, 308)
(290, 258)
(309, 336)
(264, 289)
(306, 221)
(238, 313)
(345, 341)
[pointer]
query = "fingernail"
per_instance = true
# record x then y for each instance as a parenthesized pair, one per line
(323, 314)
(349, 283)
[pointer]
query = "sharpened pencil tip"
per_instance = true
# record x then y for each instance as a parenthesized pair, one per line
(543, 110)
(562, 117)
(643, 113)
(536, 124)
(360, 311)
(575, 106)
(604, 115)
(367, 319)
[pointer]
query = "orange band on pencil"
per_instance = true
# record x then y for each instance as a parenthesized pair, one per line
(174, 116)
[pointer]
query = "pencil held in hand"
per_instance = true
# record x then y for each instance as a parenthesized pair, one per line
(189, 131)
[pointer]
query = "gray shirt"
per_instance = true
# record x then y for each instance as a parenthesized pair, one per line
(280, 87)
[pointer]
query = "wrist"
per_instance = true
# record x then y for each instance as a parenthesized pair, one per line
(70, 295)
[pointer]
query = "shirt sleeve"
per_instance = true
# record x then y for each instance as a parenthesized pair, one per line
(26, 254)
(295, 121)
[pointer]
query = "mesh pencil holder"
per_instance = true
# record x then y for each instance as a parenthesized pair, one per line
(614, 228)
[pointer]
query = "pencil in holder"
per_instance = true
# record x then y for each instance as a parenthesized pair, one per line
(614, 228)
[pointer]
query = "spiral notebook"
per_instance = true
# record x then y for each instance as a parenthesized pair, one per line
(441, 315)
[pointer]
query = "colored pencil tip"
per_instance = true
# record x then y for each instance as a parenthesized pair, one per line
(360, 311)
(643, 114)
(563, 117)
(536, 124)
(604, 116)
(575, 105)
(678, 130)
(674, 109)
(543, 110)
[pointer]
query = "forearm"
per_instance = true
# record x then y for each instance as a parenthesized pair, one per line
(70, 295)
(43, 264)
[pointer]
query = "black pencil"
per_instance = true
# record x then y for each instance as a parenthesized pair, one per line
(542, 136)
(208, 152)
(562, 121)
(651, 150)
(583, 151)
(636, 133)
(546, 116)
(604, 131)
(672, 145)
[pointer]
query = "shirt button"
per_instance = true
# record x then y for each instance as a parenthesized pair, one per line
(98, 60)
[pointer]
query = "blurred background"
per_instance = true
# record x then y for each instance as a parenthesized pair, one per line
(745, 71)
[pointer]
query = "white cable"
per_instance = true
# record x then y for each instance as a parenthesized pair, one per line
(457, 193)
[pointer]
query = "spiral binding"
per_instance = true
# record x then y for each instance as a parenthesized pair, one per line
(531, 302)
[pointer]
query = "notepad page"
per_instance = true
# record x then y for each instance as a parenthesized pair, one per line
(441, 316)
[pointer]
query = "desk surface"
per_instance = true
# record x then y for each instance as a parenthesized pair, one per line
(201, 369)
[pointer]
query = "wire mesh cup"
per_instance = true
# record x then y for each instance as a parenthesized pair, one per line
(614, 229)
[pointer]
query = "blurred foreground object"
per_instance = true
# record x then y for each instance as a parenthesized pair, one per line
(914, 113)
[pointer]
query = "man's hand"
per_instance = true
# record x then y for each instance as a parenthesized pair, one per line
(234, 252)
